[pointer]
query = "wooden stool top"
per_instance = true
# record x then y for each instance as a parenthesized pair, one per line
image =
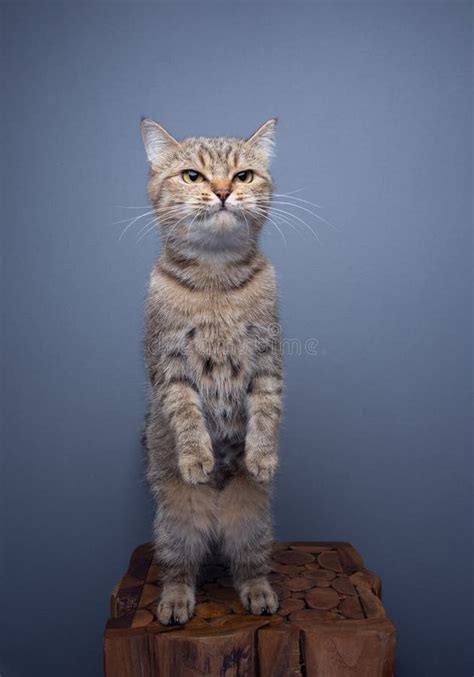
(325, 593)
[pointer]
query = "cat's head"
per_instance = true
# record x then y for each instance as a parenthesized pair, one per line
(210, 194)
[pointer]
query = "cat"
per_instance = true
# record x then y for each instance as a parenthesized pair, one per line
(213, 354)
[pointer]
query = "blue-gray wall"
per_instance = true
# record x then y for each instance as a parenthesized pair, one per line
(375, 111)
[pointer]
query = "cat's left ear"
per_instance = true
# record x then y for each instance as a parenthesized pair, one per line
(264, 137)
(157, 141)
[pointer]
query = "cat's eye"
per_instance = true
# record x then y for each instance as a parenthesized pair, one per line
(192, 176)
(244, 177)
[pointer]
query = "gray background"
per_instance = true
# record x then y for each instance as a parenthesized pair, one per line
(374, 107)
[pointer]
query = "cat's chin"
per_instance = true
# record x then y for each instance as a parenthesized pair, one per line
(221, 227)
(222, 221)
(221, 232)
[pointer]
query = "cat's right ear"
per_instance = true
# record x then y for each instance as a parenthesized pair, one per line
(157, 141)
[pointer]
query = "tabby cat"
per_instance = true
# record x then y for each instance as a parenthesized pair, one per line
(214, 357)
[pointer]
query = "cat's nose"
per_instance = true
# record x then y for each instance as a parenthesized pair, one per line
(222, 194)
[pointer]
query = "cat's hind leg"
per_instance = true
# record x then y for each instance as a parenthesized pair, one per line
(244, 523)
(183, 528)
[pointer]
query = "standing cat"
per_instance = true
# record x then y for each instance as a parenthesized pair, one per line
(214, 359)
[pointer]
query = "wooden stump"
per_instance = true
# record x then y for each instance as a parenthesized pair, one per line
(330, 623)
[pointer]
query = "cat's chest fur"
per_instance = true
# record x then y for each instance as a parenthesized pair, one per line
(220, 352)
(220, 360)
(216, 335)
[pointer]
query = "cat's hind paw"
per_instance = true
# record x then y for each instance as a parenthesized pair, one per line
(176, 605)
(258, 597)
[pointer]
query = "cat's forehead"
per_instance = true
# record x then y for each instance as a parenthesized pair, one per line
(217, 155)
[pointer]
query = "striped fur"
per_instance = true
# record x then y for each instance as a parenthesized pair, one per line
(213, 354)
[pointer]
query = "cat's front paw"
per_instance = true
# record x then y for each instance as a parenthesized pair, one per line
(196, 464)
(176, 605)
(261, 464)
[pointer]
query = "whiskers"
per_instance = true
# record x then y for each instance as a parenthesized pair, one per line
(265, 213)
(131, 222)
(291, 200)
(283, 211)
(151, 224)
(286, 209)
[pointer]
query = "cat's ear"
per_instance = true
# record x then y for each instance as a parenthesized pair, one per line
(157, 140)
(264, 137)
